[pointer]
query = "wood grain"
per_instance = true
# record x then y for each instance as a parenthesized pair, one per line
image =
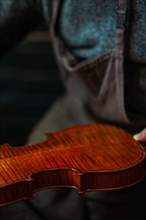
(86, 157)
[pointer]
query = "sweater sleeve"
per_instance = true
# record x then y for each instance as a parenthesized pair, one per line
(17, 18)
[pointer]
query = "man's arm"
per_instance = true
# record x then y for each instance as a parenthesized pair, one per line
(17, 18)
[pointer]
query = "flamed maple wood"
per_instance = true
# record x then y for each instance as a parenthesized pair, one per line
(86, 157)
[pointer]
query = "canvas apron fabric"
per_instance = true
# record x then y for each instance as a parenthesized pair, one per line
(99, 81)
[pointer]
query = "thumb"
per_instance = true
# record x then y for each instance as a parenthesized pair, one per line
(141, 136)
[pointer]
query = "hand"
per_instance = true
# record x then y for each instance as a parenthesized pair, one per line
(141, 136)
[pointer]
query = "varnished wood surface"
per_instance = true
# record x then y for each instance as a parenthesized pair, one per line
(87, 157)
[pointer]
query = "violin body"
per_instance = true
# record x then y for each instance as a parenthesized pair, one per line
(86, 157)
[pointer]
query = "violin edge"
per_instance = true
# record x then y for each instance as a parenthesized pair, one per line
(82, 182)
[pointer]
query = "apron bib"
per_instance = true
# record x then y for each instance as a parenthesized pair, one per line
(98, 81)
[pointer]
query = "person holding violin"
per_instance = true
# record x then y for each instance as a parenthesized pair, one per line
(100, 47)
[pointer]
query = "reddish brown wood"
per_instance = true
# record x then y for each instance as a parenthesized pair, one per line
(87, 157)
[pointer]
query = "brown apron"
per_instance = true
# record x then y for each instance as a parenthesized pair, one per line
(98, 81)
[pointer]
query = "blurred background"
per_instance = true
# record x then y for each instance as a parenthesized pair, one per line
(29, 84)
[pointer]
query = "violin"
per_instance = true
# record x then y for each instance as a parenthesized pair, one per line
(86, 157)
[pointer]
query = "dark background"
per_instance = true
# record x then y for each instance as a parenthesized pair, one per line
(29, 83)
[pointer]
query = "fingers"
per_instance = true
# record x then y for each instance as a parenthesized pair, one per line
(141, 136)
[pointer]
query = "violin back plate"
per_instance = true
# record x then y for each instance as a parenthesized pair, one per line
(86, 157)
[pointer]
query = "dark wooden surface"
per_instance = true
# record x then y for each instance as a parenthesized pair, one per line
(29, 84)
(86, 157)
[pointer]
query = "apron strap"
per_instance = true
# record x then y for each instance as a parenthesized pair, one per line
(121, 10)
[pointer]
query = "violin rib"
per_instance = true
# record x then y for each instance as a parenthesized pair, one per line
(86, 157)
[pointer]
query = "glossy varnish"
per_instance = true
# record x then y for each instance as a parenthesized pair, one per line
(87, 157)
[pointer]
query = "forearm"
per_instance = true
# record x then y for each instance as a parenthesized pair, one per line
(17, 18)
